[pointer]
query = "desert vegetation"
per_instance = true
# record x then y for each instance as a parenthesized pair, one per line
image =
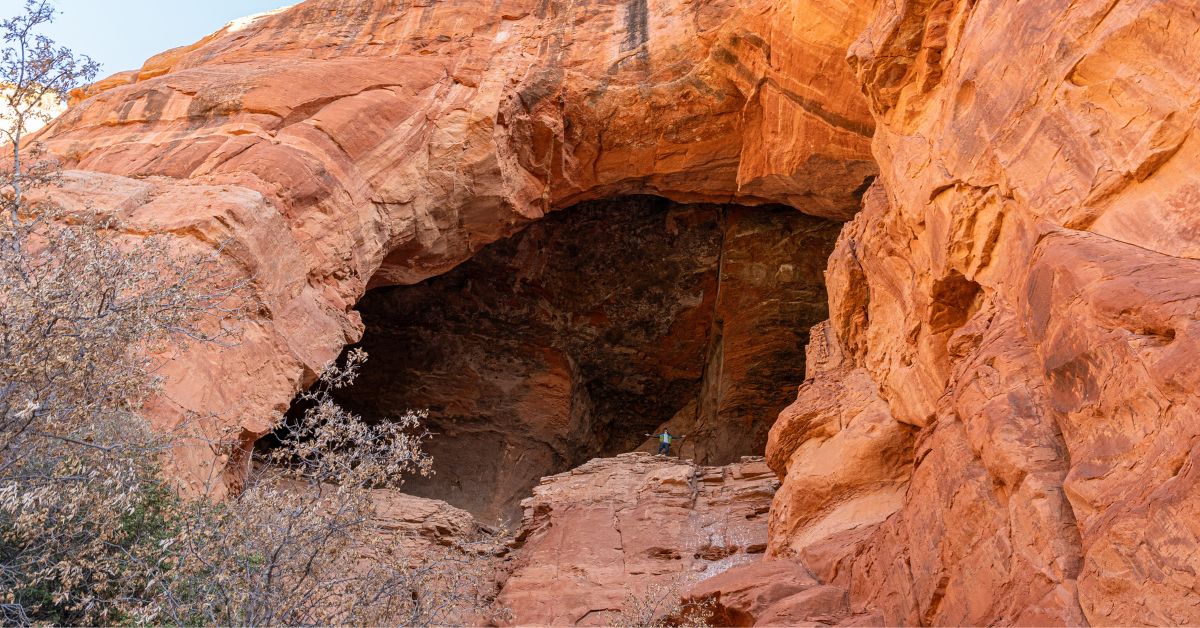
(92, 528)
(661, 605)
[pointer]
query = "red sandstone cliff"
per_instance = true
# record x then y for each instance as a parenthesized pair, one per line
(1000, 423)
(1019, 296)
(340, 145)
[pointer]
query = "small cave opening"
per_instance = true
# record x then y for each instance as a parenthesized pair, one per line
(591, 328)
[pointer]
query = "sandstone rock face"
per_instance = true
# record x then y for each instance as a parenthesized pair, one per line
(1000, 421)
(1021, 292)
(613, 527)
(844, 460)
(424, 521)
(775, 593)
(591, 328)
(340, 145)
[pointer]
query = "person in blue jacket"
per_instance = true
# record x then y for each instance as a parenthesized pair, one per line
(664, 442)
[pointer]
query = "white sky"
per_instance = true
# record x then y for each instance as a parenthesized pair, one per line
(121, 34)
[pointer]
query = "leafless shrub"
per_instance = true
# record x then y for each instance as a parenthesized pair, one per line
(303, 544)
(91, 530)
(662, 605)
(81, 311)
(367, 455)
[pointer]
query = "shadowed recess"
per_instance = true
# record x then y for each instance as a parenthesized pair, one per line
(577, 336)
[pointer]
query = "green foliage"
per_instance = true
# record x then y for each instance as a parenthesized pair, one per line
(81, 564)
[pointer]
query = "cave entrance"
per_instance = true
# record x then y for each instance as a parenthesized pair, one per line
(590, 328)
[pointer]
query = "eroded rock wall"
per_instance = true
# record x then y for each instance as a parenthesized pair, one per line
(1017, 303)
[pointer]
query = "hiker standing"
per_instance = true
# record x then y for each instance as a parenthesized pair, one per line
(664, 442)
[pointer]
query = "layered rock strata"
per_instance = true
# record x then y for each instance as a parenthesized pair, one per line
(591, 328)
(423, 522)
(614, 530)
(1019, 296)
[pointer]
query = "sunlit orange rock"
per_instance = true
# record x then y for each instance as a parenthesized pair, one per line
(1021, 289)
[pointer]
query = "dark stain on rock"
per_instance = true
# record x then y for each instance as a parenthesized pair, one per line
(212, 103)
(723, 55)
(726, 56)
(753, 40)
(714, 553)
(153, 103)
(542, 84)
(866, 128)
(637, 26)
(1073, 382)
(662, 553)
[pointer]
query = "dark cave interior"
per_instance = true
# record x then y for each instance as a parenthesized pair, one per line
(575, 337)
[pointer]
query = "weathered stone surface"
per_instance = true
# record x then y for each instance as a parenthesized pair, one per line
(740, 596)
(429, 521)
(1021, 290)
(845, 462)
(591, 328)
(613, 527)
(341, 145)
